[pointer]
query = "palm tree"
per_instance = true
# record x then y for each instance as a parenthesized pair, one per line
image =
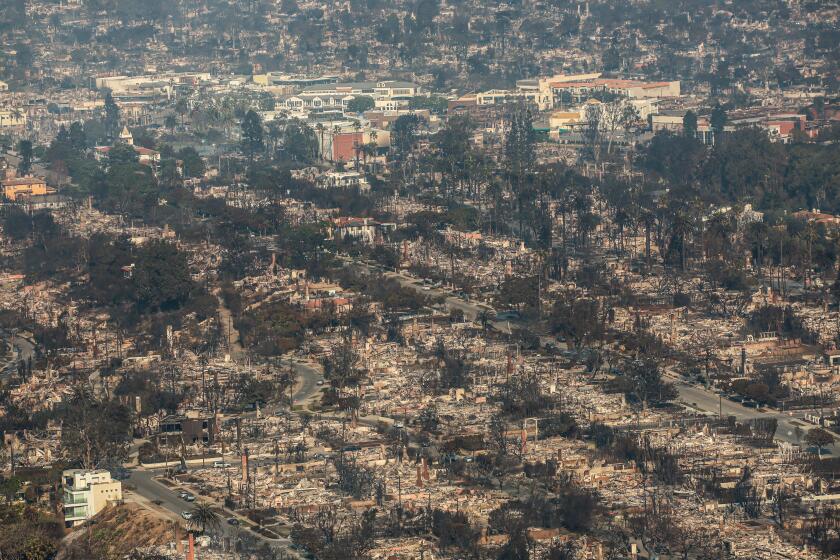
(320, 128)
(336, 130)
(357, 148)
(373, 147)
(204, 516)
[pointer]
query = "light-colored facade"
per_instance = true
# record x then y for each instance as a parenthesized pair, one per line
(502, 96)
(24, 186)
(86, 493)
(13, 118)
(581, 90)
(124, 85)
(344, 180)
(673, 122)
(388, 95)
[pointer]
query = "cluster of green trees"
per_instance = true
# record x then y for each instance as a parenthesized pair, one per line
(746, 166)
(28, 533)
(292, 142)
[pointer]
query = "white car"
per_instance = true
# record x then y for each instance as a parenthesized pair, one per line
(221, 464)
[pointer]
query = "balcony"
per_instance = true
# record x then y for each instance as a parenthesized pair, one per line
(70, 498)
(75, 513)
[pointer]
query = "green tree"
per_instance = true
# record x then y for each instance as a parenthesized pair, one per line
(360, 104)
(161, 277)
(182, 107)
(112, 116)
(252, 134)
(25, 152)
(78, 139)
(203, 516)
(690, 124)
(299, 142)
(122, 154)
(9, 488)
(193, 163)
(718, 120)
(403, 133)
(127, 188)
(28, 534)
(425, 13)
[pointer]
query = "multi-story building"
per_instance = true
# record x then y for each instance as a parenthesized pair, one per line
(344, 180)
(86, 493)
(189, 429)
(25, 186)
(12, 118)
(388, 95)
(579, 91)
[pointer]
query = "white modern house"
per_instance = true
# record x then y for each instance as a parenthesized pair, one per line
(86, 493)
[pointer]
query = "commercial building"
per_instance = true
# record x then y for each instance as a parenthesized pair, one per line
(296, 81)
(86, 493)
(579, 91)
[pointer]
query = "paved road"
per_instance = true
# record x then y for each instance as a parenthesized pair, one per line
(709, 401)
(154, 491)
(22, 349)
(699, 397)
(471, 310)
(168, 499)
(308, 378)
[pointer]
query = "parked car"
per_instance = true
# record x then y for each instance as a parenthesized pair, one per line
(233, 521)
(186, 515)
(221, 464)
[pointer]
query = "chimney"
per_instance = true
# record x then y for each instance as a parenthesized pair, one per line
(425, 468)
(419, 477)
(191, 549)
(245, 465)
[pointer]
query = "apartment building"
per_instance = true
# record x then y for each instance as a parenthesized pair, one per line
(86, 493)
